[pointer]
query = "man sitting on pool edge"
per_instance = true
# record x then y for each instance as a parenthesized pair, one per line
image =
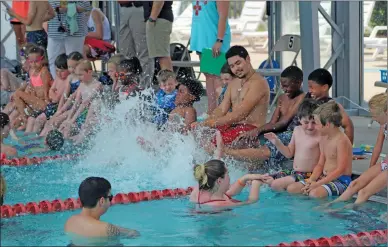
(86, 228)
(248, 98)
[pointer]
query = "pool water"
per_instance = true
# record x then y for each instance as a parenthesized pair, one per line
(28, 139)
(275, 218)
(116, 156)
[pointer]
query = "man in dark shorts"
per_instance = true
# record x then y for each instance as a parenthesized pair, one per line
(86, 227)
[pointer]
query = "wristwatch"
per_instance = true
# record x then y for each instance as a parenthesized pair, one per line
(151, 20)
(220, 40)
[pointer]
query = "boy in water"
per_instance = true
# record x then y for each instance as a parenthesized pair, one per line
(332, 174)
(305, 139)
(165, 97)
(5, 129)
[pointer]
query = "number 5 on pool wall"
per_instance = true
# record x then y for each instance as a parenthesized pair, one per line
(291, 42)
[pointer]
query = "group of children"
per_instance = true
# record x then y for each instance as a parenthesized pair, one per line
(62, 104)
(71, 102)
(322, 159)
(60, 109)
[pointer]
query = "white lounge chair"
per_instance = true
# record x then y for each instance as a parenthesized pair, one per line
(251, 17)
(181, 28)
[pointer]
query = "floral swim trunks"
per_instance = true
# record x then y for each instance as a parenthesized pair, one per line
(298, 176)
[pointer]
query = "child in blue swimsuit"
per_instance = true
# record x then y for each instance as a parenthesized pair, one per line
(165, 97)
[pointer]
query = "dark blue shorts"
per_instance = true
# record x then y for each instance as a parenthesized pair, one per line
(37, 37)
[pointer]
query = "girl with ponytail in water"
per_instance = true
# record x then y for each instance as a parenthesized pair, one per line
(214, 187)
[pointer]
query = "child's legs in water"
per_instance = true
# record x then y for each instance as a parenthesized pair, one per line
(360, 183)
(281, 184)
(39, 123)
(376, 185)
(30, 125)
(54, 123)
(36, 104)
(295, 188)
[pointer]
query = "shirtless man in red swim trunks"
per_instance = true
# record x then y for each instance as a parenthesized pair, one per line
(248, 98)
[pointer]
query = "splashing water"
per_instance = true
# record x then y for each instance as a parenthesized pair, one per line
(130, 166)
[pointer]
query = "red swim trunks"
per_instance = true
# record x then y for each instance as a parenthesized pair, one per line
(231, 132)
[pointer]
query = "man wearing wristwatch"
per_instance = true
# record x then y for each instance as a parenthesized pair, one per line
(132, 38)
(159, 18)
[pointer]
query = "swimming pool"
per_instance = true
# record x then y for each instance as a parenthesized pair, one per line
(276, 218)
(117, 157)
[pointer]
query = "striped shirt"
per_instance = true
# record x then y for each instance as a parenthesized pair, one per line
(82, 19)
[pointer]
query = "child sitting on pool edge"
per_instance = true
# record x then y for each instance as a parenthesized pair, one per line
(332, 174)
(165, 97)
(305, 139)
(189, 91)
(374, 179)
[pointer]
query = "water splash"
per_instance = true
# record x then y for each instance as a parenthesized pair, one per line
(119, 157)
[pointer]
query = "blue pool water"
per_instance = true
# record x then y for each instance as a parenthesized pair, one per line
(276, 218)
(32, 139)
(116, 156)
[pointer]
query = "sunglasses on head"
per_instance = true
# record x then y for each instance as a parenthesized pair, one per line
(39, 59)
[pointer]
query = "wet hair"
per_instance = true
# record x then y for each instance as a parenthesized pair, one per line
(226, 70)
(164, 75)
(86, 65)
(237, 50)
(293, 73)
(306, 109)
(61, 61)
(131, 65)
(195, 87)
(55, 140)
(116, 59)
(329, 112)
(92, 189)
(379, 102)
(321, 77)
(208, 173)
(76, 56)
(4, 119)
